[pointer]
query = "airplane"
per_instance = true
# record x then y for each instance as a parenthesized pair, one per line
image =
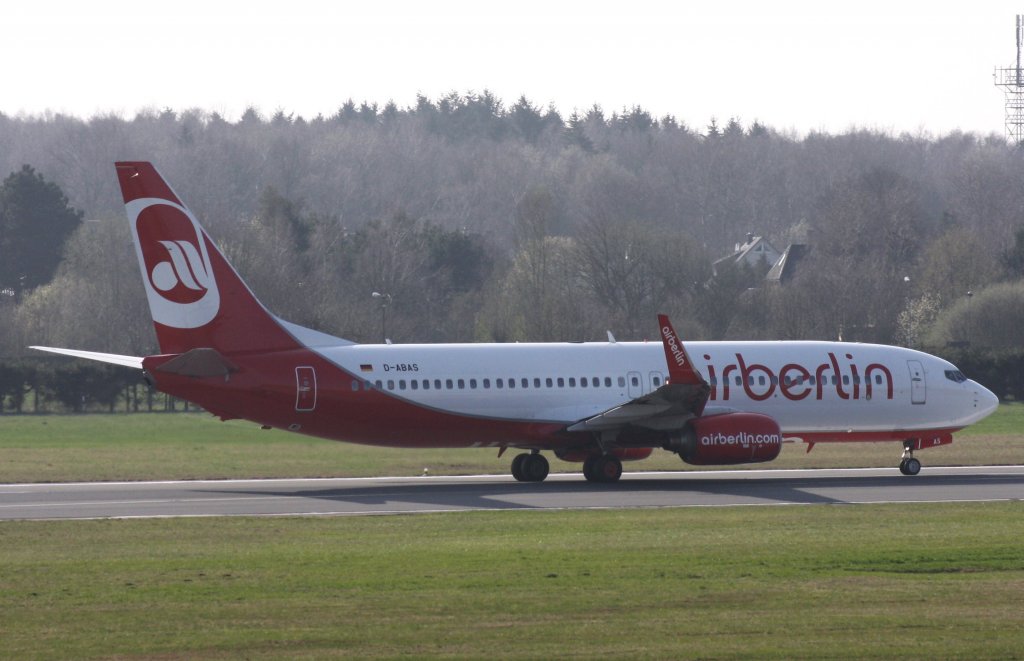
(598, 403)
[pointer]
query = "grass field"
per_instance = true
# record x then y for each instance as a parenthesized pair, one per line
(937, 581)
(57, 448)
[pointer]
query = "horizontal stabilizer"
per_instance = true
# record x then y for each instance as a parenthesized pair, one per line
(111, 358)
(199, 363)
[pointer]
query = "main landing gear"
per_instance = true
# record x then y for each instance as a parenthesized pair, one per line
(603, 468)
(909, 465)
(530, 467)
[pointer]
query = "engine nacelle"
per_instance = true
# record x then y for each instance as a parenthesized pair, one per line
(730, 438)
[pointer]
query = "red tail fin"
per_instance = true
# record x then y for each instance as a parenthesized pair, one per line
(196, 298)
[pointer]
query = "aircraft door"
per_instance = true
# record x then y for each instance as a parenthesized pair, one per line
(636, 384)
(918, 388)
(305, 389)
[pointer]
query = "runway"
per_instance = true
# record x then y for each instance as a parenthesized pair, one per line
(366, 496)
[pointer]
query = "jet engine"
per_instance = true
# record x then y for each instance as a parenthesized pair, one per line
(729, 438)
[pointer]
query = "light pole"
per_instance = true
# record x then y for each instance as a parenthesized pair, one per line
(385, 300)
(970, 319)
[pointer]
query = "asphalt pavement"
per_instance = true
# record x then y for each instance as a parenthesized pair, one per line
(406, 495)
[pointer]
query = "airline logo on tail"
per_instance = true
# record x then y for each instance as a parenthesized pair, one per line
(180, 285)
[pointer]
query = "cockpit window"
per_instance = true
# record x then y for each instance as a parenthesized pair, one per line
(955, 375)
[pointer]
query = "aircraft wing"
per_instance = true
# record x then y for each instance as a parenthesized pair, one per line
(683, 396)
(111, 358)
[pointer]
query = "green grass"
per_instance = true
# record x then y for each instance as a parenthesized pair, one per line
(933, 581)
(56, 448)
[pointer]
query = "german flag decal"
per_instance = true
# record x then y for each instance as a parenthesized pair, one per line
(366, 368)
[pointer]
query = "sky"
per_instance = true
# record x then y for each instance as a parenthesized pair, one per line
(795, 65)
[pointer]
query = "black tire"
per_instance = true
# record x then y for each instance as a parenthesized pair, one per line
(588, 468)
(608, 468)
(911, 466)
(517, 467)
(535, 468)
(903, 466)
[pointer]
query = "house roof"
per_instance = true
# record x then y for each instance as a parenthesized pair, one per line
(744, 249)
(787, 264)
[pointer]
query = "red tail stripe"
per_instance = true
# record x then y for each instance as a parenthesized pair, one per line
(139, 179)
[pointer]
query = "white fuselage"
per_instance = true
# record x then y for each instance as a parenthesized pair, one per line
(805, 386)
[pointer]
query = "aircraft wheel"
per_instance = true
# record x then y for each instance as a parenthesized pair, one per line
(608, 468)
(534, 468)
(910, 466)
(517, 466)
(588, 468)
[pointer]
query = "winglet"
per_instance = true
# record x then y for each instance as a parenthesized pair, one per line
(680, 369)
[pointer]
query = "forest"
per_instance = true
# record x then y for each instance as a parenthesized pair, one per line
(478, 220)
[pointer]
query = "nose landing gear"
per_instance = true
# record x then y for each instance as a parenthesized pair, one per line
(909, 465)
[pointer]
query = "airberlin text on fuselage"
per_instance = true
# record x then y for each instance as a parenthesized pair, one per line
(741, 438)
(796, 382)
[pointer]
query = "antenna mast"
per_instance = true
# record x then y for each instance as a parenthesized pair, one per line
(1011, 79)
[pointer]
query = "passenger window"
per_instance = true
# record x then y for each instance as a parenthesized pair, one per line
(462, 384)
(526, 383)
(448, 384)
(549, 382)
(596, 382)
(572, 382)
(878, 379)
(391, 384)
(536, 383)
(487, 383)
(622, 382)
(472, 384)
(607, 382)
(511, 383)
(380, 386)
(414, 384)
(760, 380)
(739, 381)
(846, 380)
(583, 382)
(561, 382)
(635, 381)
(499, 383)
(426, 384)
(401, 384)
(656, 380)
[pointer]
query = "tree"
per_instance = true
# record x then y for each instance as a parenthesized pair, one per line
(35, 221)
(956, 262)
(1013, 257)
(526, 120)
(993, 318)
